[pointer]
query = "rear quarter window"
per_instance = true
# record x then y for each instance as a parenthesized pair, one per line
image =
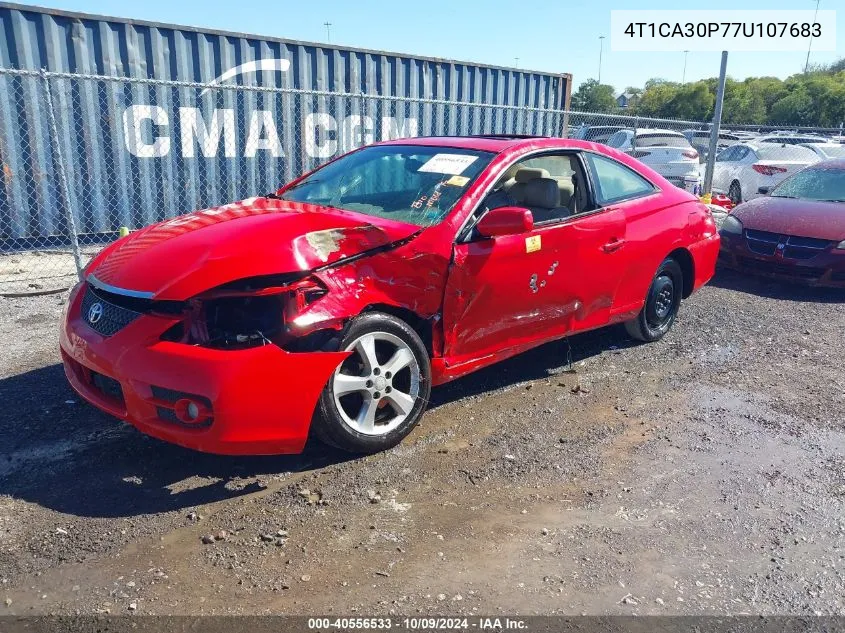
(615, 182)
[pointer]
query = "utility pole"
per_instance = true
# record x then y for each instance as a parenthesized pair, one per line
(717, 121)
(601, 49)
(328, 26)
(810, 47)
(516, 62)
(684, 76)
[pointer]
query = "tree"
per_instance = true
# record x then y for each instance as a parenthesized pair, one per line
(592, 96)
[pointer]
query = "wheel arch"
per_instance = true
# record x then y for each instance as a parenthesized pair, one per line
(687, 264)
(421, 325)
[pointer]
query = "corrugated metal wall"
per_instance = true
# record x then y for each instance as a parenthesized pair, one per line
(132, 139)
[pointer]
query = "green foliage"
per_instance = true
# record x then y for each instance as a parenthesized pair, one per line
(592, 96)
(815, 98)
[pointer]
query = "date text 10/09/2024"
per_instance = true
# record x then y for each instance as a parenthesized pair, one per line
(417, 624)
(724, 29)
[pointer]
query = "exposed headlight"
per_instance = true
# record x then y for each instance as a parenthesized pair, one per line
(731, 225)
(841, 246)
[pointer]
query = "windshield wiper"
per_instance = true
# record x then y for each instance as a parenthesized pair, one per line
(833, 200)
(790, 197)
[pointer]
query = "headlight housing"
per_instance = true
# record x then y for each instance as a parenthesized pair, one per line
(246, 313)
(841, 246)
(731, 225)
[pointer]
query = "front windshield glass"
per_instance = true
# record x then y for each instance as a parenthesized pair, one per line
(407, 183)
(814, 183)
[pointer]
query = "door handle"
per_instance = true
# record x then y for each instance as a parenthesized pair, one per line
(613, 245)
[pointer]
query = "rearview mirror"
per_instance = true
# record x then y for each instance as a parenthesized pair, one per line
(505, 221)
(764, 190)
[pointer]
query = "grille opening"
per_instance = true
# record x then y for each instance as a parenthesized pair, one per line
(108, 387)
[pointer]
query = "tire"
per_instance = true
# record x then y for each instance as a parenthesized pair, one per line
(661, 304)
(377, 395)
(735, 193)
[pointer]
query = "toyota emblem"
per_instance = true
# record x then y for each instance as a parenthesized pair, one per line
(95, 313)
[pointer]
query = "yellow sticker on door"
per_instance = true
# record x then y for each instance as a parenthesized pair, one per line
(533, 243)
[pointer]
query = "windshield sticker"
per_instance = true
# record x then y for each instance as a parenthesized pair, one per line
(457, 181)
(452, 164)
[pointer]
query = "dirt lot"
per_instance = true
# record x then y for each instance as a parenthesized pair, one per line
(702, 474)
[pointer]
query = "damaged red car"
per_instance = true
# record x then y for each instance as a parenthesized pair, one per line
(331, 307)
(794, 233)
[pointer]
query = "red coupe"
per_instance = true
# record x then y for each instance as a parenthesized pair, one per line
(333, 305)
(796, 232)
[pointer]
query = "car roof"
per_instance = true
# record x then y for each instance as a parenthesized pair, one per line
(491, 143)
(657, 131)
(831, 163)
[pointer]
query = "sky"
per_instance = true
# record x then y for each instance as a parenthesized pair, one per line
(560, 36)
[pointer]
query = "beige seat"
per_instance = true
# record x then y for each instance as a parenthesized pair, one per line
(523, 176)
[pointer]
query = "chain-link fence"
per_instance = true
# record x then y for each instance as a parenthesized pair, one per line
(83, 156)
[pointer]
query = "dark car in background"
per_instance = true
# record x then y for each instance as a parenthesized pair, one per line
(700, 140)
(596, 133)
(795, 233)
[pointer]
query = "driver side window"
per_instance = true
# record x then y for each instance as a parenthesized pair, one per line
(551, 186)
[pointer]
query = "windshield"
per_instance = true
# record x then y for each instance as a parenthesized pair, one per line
(407, 183)
(814, 183)
(788, 153)
(833, 151)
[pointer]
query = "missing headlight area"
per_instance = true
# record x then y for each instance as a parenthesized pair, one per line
(241, 321)
(236, 317)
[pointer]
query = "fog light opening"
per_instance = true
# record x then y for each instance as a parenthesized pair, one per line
(190, 411)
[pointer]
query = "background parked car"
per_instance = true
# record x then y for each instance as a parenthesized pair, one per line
(700, 140)
(796, 233)
(740, 170)
(667, 152)
(826, 150)
(596, 133)
(791, 139)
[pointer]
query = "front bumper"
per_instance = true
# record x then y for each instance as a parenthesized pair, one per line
(260, 400)
(827, 269)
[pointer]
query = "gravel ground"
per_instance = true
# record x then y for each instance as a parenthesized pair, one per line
(704, 474)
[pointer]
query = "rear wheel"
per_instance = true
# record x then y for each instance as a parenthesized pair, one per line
(661, 304)
(378, 394)
(735, 192)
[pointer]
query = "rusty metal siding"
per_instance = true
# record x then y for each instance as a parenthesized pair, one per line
(124, 59)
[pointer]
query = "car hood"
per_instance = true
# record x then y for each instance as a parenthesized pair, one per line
(179, 258)
(788, 216)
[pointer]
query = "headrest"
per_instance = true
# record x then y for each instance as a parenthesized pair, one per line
(530, 173)
(541, 192)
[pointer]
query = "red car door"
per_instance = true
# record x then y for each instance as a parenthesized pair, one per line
(515, 291)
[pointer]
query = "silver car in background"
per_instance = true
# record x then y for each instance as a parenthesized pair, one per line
(667, 152)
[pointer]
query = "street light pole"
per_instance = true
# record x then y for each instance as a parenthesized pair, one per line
(684, 76)
(601, 49)
(810, 47)
(328, 31)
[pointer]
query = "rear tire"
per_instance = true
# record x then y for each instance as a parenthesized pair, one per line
(376, 396)
(661, 305)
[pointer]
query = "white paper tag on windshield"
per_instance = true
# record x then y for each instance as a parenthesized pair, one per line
(452, 164)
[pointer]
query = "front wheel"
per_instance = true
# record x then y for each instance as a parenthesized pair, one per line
(380, 392)
(661, 304)
(735, 193)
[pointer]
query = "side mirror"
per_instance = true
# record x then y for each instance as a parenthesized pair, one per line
(764, 190)
(505, 221)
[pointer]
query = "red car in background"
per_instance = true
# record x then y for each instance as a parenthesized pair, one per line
(796, 232)
(333, 305)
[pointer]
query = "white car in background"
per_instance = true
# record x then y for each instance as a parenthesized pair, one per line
(741, 170)
(786, 138)
(667, 152)
(827, 150)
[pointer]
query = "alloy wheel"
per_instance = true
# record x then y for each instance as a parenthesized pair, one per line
(375, 389)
